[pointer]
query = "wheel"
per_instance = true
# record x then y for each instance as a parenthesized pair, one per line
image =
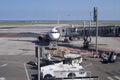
(65, 40)
(48, 77)
(78, 38)
(70, 38)
(71, 75)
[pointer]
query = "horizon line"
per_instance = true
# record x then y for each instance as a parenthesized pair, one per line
(56, 20)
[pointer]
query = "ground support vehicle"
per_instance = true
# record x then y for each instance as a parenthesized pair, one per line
(65, 69)
(109, 57)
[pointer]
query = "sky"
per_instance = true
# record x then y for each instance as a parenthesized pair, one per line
(65, 9)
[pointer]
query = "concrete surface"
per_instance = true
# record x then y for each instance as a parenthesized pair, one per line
(17, 50)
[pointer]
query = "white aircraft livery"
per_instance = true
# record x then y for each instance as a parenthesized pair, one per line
(52, 35)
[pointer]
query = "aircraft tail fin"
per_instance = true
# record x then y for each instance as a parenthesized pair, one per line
(58, 23)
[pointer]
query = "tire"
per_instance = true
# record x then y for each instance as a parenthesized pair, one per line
(65, 40)
(48, 77)
(71, 38)
(71, 75)
(78, 38)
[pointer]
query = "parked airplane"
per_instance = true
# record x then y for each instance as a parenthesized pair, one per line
(52, 35)
(70, 33)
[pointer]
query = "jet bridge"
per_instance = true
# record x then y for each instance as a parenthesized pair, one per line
(76, 33)
(70, 33)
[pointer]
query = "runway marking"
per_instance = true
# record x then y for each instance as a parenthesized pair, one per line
(3, 65)
(2, 78)
(110, 78)
(118, 78)
(26, 71)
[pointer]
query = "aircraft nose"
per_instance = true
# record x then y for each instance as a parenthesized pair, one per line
(55, 36)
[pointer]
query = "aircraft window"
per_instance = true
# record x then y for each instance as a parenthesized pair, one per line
(54, 32)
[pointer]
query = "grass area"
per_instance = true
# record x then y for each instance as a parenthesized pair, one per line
(79, 23)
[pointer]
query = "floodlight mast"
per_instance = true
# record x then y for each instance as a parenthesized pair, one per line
(96, 20)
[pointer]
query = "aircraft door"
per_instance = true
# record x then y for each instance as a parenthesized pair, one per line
(63, 32)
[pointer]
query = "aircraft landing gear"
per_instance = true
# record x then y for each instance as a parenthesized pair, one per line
(66, 39)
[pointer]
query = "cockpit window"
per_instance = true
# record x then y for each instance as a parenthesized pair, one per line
(54, 32)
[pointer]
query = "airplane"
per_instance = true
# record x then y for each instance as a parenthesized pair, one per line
(52, 35)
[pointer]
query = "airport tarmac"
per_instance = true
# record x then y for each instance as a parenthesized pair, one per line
(17, 48)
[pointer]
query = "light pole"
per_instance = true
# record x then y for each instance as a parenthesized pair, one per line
(90, 26)
(96, 20)
(39, 52)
